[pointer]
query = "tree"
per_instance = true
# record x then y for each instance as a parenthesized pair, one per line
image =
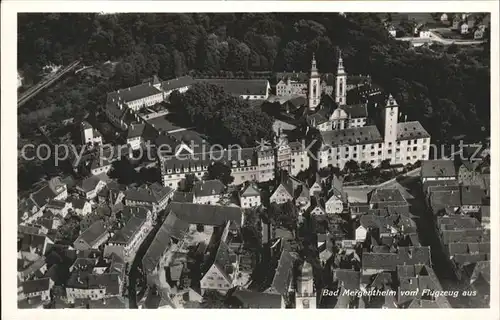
(351, 166)
(385, 164)
(220, 171)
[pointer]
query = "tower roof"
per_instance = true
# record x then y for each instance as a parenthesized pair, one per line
(391, 102)
(314, 69)
(340, 67)
(306, 271)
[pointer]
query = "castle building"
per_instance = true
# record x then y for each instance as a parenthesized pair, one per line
(296, 83)
(291, 156)
(305, 293)
(400, 143)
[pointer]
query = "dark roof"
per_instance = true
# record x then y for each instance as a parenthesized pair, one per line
(177, 83)
(392, 197)
(457, 222)
(78, 203)
(135, 130)
(356, 110)
(411, 130)
(205, 214)
(56, 204)
(182, 197)
(207, 188)
(93, 233)
(42, 196)
(137, 92)
(30, 240)
(352, 136)
(223, 260)
(348, 279)
(240, 86)
(438, 168)
(261, 300)
(36, 285)
(227, 156)
(283, 273)
(471, 195)
(251, 190)
(442, 199)
(89, 183)
(180, 216)
(153, 193)
(390, 261)
(82, 280)
(137, 217)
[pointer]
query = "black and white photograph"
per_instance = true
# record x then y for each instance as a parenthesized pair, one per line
(253, 160)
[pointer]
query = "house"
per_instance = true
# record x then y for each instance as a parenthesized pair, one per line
(84, 285)
(479, 32)
(99, 166)
(32, 246)
(317, 207)
(438, 170)
(251, 89)
(383, 226)
(250, 196)
(471, 198)
(222, 272)
(37, 288)
(207, 191)
(180, 196)
(59, 207)
(464, 27)
(139, 222)
(291, 189)
(89, 187)
(28, 211)
(247, 299)
(93, 237)
(444, 198)
(54, 189)
(180, 84)
(113, 193)
(422, 31)
(29, 269)
(316, 186)
(155, 196)
(90, 135)
(373, 263)
(383, 198)
(187, 220)
(337, 198)
(283, 273)
(81, 206)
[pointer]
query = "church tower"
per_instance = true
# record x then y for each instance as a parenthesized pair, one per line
(341, 83)
(391, 120)
(305, 295)
(314, 86)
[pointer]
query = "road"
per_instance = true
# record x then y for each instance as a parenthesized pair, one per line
(436, 37)
(33, 91)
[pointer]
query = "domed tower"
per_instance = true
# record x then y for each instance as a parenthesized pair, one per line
(305, 295)
(314, 86)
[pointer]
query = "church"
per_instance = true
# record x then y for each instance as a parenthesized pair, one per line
(346, 135)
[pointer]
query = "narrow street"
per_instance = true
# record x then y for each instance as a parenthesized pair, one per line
(134, 273)
(428, 236)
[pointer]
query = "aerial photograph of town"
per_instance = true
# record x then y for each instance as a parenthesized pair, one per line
(294, 160)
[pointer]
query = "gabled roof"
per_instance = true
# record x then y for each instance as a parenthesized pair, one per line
(283, 273)
(207, 188)
(180, 196)
(93, 233)
(153, 193)
(36, 285)
(390, 261)
(89, 184)
(252, 299)
(348, 279)
(387, 197)
(438, 168)
(471, 195)
(250, 190)
(240, 86)
(352, 136)
(356, 110)
(177, 83)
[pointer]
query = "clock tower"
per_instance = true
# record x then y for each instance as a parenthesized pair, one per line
(391, 120)
(314, 86)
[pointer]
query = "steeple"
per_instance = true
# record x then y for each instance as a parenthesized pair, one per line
(340, 67)
(341, 83)
(314, 69)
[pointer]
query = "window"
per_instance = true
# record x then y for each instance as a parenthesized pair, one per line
(415, 148)
(380, 153)
(380, 145)
(372, 154)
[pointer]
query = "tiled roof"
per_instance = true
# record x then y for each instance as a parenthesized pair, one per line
(348, 279)
(56, 204)
(36, 285)
(411, 130)
(177, 83)
(30, 240)
(182, 197)
(316, 119)
(42, 196)
(385, 197)
(442, 199)
(108, 281)
(283, 273)
(78, 203)
(352, 136)
(457, 223)
(471, 195)
(240, 86)
(137, 92)
(390, 261)
(153, 193)
(137, 217)
(356, 110)
(93, 233)
(252, 299)
(89, 183)
(207, 188)
(135, 130)
(223, 260)
(251, 190)
(438, 168)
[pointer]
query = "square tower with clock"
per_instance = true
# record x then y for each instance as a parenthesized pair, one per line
(391, 120)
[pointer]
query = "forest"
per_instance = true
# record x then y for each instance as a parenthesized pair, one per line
(446, 88)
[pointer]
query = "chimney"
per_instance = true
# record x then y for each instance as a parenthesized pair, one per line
(118, 91)
(129, 89)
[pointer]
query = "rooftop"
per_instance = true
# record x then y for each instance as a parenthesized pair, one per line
(352, 136)
(93, 233)
(411, 130)
(438, 168)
